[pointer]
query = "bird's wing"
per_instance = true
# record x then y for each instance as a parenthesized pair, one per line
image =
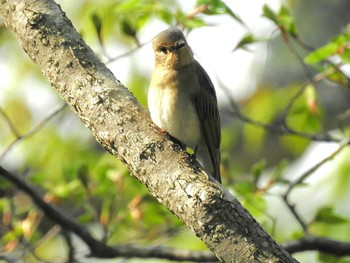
(208, 112)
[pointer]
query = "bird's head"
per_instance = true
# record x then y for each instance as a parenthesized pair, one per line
(171, 49)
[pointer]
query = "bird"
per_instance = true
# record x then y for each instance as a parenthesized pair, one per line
(182, 99)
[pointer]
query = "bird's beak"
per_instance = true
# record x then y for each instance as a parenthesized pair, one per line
(181, 43)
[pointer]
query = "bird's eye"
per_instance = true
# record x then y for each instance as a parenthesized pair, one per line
(163, 50)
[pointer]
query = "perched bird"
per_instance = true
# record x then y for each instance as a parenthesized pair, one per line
(182, 99)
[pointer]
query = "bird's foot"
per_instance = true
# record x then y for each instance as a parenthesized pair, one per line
(177, 143)
(163, 131)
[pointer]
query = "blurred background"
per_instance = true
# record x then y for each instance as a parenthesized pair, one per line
(281, 75)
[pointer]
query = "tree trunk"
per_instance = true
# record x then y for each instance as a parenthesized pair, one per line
(124, 128)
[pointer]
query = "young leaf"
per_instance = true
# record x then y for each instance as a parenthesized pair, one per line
(270, 14)
(216, 7)
(97, 21)
(338, 46)
(327, 215)
(128, 28)
(284, 20)
(258, 168)
(246, 40)
(287, 21)
(234, 15)
(311, 100)
(321, 53)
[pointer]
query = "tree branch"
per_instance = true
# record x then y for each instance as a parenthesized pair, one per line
(280, 127)
(36, 128)
(301, 179)
(99, 248)
(124, 128)
(320, 244)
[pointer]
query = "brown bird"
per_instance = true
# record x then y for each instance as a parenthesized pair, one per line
(182, 99)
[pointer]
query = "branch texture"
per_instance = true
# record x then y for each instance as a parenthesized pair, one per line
(123, 128)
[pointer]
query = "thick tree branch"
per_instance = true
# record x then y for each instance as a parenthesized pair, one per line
(124, 129)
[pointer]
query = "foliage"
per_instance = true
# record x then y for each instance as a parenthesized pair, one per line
(276, 125)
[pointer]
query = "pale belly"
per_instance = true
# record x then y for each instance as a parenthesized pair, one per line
(176, 116)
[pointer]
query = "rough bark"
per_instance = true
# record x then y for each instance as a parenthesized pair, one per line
(124, 128)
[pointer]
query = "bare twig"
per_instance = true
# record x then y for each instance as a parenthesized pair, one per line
(278, 127)
(302, 178)
(10, 123)
(128, 53)
(296, 215)
(34, 130)
(286, 39)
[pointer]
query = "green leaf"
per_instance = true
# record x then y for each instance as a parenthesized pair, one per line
(321, 53)
(258, 168)
(270, 14)
(327, 215)
(326, 258)
(192, 22)
(284, 20)
(166, 16)
(278, 172)
(128, 5)
(287, 21)
(244, 188)
(247, 40)
(305, 115)
(217, 7)
(338, 46)
(128, 29)
(234, 15)
(97, 22)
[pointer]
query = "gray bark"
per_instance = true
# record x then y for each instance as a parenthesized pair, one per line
(124, 128)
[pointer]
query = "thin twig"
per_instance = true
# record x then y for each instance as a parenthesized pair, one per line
(278, 127)
(301, 179)
(10, 123)
(296, 215)
(34, 130)
(291, 102)
(289, 45)
(129, 52)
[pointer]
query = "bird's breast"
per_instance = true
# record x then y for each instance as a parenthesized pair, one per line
(171, 107)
